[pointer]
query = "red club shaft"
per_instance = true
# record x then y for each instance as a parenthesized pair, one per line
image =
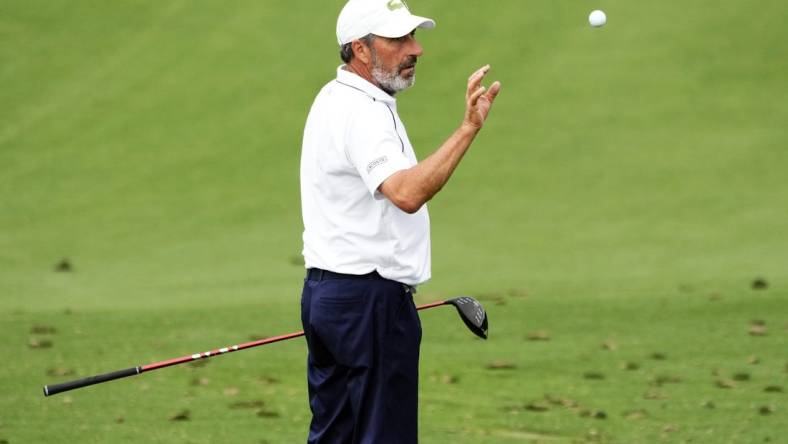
(233, 348)
(91, 380)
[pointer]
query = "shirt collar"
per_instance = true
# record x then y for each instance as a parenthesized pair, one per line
(353, 80)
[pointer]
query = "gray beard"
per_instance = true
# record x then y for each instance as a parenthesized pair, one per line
(390, 82)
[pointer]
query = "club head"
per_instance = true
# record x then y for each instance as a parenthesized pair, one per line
(472, 313)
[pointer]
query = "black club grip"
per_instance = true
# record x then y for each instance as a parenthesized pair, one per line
(90, 380)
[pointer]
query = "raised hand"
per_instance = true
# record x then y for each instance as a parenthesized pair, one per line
(478, 99)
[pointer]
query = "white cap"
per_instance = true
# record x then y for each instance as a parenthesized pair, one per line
(386, 18)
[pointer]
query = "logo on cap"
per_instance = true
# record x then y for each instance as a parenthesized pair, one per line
(393, 5)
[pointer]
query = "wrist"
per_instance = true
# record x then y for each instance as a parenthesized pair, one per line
(469, 128)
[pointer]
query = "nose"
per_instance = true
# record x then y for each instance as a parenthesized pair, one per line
(415, 48)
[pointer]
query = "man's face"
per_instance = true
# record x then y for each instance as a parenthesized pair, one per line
(394, 62)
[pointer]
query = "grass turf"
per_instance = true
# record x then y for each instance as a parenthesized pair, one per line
(615, 211)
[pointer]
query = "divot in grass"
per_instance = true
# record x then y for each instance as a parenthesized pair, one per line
(183, 415)
(254, 404)
(635, 415)
(231, 391)
(540, 335)
(445, 378)
(43, 330)
(661, 380)
(537, 406)
(670, 428)
(548, 402)
(263, 413)
(594, 376)
(268, 380)
(59, 372)
(630, 366)
(741, 376)
(500, 365)
(561, 401)
(758, 328)
(654, 394)
(610, 345)
(766, 410)
(595, 414)
(36, 343)
(64, 266)
(725, 384)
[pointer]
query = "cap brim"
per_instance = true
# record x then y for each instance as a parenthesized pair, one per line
(403, 27)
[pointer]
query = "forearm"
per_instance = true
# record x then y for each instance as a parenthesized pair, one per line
(410, 189)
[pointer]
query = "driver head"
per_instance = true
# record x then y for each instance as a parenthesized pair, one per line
(472, 313)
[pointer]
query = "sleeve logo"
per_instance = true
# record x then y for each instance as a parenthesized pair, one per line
(376, 163)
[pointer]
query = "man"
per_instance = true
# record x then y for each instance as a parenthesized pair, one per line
(366, 236)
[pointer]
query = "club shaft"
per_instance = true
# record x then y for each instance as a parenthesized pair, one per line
(218, 351)
(97, 379)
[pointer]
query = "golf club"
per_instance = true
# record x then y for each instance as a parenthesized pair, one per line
(469, 309)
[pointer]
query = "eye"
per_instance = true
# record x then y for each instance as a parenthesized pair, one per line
(404, 38)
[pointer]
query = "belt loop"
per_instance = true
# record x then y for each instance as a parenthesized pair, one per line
(320, 274)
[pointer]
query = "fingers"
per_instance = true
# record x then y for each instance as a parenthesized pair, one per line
(495, 88)
(475, 96)
(476, 78)
(479, 99)
(481, 71)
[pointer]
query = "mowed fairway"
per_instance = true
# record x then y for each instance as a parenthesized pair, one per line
(623, 218)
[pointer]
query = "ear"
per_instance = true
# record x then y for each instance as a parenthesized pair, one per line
(362, 52)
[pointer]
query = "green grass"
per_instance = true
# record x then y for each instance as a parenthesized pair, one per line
(626, 192)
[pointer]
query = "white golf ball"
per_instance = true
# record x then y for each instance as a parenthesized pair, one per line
(597, 18)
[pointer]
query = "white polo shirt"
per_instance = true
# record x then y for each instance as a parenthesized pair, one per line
(353, 141)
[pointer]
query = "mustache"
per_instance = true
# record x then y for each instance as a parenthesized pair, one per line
(410, 62)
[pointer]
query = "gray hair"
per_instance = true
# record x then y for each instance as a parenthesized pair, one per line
(346, 52)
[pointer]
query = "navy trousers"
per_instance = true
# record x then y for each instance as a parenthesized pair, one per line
(363, 365)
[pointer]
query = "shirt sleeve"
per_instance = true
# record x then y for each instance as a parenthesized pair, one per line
(374, 147)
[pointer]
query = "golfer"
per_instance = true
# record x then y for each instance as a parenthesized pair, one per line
(366, 228)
